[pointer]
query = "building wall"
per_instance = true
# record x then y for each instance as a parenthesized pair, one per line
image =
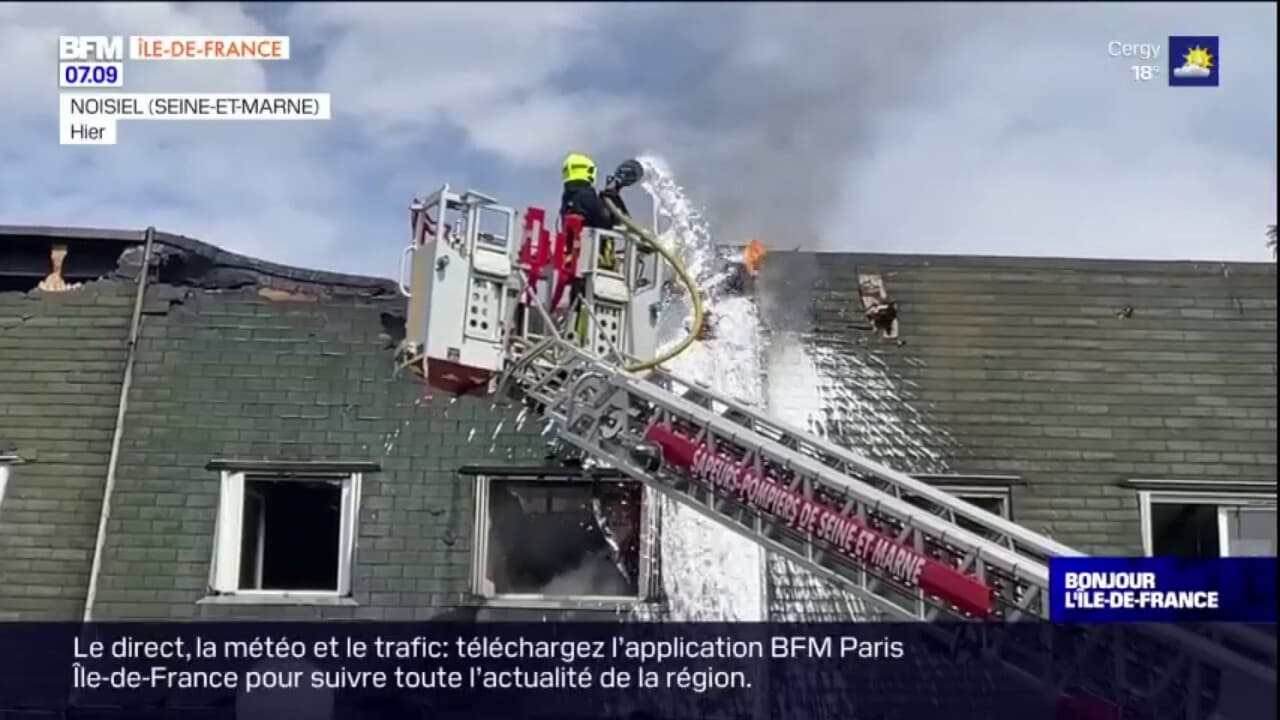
(253, 374)
(1028, 368)
(235, 375)
(61, 362)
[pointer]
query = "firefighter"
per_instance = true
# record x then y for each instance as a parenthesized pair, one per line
(580, 197)
(578, 173)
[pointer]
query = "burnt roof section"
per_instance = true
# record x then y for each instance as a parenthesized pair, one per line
(95, 252)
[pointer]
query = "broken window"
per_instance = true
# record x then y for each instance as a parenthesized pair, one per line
(1208, 525)
(561, 538)
(285, 534)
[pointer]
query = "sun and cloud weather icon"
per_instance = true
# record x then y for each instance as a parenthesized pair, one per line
(1193, 60)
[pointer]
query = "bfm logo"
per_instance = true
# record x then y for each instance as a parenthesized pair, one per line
(90, 47)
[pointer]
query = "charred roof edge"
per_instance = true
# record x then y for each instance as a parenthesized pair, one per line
(210, 254)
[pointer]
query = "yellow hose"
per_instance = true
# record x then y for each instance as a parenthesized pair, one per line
(694, 293)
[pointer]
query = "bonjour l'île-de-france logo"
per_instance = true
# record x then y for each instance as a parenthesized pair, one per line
(1193, 60)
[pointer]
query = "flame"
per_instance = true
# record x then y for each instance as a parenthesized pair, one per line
(753, 257)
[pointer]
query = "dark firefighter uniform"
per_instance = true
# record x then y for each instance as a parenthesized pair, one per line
(580, 196)
(578, 172)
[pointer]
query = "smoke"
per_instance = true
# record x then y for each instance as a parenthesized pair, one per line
(595, 575)
(785, 291)
(985, 129)
(574, 549)
(556, 559)
(773, 121)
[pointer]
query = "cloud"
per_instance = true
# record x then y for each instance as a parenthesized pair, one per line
(484, 69)
(868, 127)
(860, 127)
(1189, 70)
(259, 188)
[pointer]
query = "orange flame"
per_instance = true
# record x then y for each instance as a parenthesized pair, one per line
(753, 257)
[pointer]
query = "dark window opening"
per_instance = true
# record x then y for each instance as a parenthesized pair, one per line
(564, 538)
(290, 535)
(1184, 530)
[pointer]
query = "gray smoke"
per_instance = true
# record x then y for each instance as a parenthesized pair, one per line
(785, 291)
(551, 553)
(990, 129)
(596, 575)
(792, 108)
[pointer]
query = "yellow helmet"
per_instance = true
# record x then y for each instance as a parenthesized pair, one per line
(578, 167)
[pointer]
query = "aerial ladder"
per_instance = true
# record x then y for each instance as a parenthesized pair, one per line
(486, 316)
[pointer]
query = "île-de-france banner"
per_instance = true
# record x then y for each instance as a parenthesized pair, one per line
(1162, 589)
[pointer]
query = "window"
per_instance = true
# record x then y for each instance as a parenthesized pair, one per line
(561, 540)
(1208, 524)
(4, 478)
(285, 535)
(990, 493)
(994, 500)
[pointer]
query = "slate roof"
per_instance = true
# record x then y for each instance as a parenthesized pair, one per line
(236, 359)
(60, 366)
(1075, 376)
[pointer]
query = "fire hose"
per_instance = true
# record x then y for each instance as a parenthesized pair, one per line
(682, 273)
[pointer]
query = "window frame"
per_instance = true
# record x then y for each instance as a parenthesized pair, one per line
(1003, 493)
(1222, 500)
(646, 582)
(964, 486)
(4, 476)
(224, 566)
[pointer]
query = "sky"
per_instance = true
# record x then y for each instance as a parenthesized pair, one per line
(992, 129)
